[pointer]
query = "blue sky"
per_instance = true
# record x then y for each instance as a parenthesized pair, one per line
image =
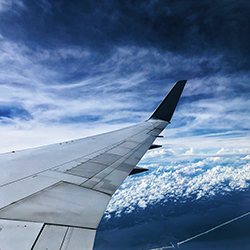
(69, 69)
(73, 68)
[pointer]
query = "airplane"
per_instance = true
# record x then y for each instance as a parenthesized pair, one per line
(54, 197)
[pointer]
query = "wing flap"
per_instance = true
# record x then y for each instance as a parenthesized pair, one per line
(50, 236)
(61, 204)
(64, 238)
(18, 234)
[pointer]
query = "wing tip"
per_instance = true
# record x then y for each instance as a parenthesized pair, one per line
(167, 107)
(182, 81)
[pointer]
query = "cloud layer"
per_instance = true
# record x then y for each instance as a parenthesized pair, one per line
(182, 181)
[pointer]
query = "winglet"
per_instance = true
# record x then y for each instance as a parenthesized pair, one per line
(167, 107)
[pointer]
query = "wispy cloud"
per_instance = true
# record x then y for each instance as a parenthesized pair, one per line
(70, 86)
(68, 71)
(7, 5)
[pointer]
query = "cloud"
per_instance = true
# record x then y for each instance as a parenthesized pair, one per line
(7, 5)
(246, 158)
(157, 153)
(73, 85)
(12, 111)
(69, 64)
(187, 28)
(189, 152)
(181, 181)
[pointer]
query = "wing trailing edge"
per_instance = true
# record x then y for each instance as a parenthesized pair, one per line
(167, 107)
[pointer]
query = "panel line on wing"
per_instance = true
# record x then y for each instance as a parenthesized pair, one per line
(141, 128)
(39, 234)
(113, 180)
(119, 170)
(64, 237)
(28, 196)
(100, 163)
(52, 206)
(67, 230)
(94, 176)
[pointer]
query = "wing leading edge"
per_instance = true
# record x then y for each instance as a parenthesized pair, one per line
(54, 197)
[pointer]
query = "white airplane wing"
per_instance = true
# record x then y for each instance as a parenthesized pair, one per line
(53, 197)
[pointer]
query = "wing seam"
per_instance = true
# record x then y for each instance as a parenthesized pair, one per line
(38, 236)
(64, 238)
(31, 195)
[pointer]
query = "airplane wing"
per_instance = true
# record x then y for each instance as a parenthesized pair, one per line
(53, 197)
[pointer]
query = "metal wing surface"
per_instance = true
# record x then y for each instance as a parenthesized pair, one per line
(53, 197)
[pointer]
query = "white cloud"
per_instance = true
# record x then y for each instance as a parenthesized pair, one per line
(233, 151)
(189, 152)
(157, 153)
(181, 181)
(246, 158)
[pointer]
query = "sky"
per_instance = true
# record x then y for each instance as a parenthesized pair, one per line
(73, 68)
(69, 69)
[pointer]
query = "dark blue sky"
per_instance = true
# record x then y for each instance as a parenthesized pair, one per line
(187, 27)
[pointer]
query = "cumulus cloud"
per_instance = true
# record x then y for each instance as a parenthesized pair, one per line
(181, 181)
(189, 152)
(246, 158)
(157, 153)
(230, 151)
